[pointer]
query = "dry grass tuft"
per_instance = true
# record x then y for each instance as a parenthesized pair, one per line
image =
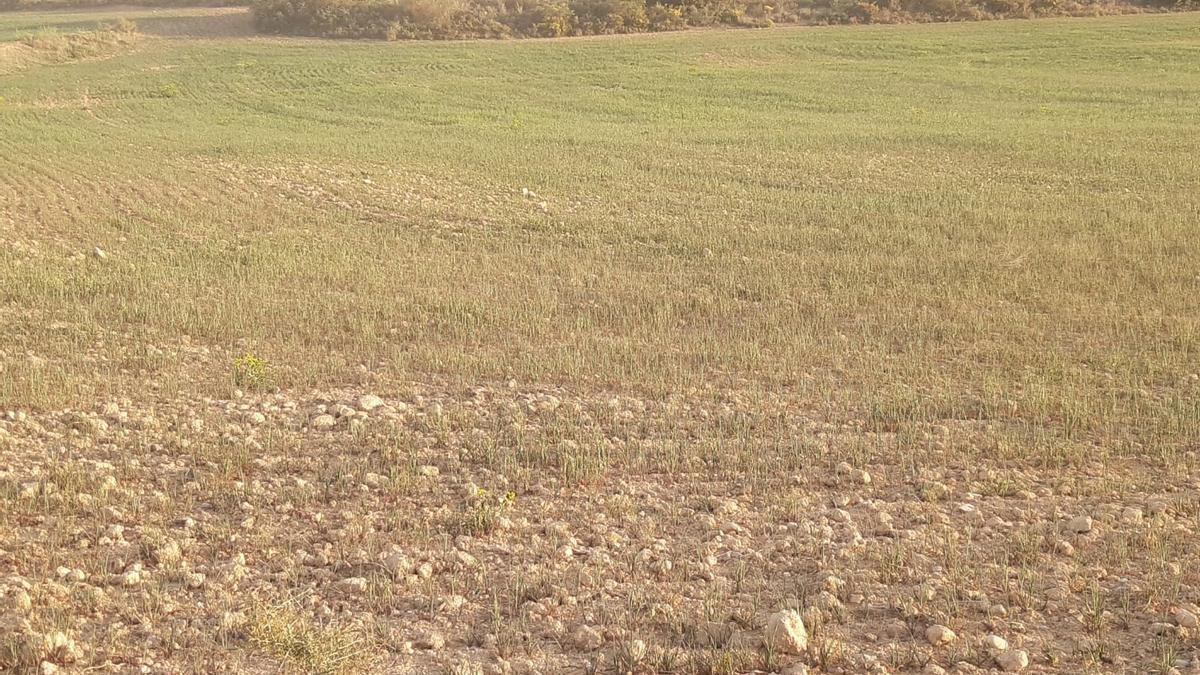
(290, 636)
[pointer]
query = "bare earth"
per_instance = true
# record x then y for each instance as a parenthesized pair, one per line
(171, 525)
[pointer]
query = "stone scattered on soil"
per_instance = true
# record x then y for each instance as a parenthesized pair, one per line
(786, 633)
(1013, 660)
(938, 635)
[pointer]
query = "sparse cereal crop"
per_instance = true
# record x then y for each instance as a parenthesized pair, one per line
(852, 350)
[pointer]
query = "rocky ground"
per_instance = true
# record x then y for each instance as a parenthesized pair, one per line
(500, 528)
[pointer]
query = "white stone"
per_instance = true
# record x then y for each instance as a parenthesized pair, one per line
(353, 585)
(397, 563)
(938, 634)
(1160, 628)
(786, 633)
(1013, 660)
(588, 638)
(995, 644)
(323, 422)
(1187, 618)
(1080, 524)
(21, 600)
(369, 402)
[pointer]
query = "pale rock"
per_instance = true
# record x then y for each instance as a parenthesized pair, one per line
(1080, 524)
(132, 577)
(828, 602)
(995, 644)
(785, 632)
(1161, 629)
(397, 563)
(369, 402)
(587, 638)
(833, 584)
(323, 422)
(235, 569)
(452, 603)
(1187, 619)
(938, 634)
(353, 585)
(636, 649)
(20, 600)
(1013, 661)
(60, 648)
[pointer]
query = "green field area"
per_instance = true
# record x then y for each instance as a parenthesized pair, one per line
(988, 220)
(864, 349)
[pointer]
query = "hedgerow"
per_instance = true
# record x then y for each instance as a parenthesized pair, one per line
(17, 5)
(454, 19)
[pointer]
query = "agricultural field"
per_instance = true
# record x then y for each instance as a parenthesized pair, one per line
(864, 349)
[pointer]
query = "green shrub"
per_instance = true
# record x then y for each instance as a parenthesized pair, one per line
(600, 17)
(553, 19)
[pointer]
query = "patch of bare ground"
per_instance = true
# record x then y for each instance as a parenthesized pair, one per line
(506, 527)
